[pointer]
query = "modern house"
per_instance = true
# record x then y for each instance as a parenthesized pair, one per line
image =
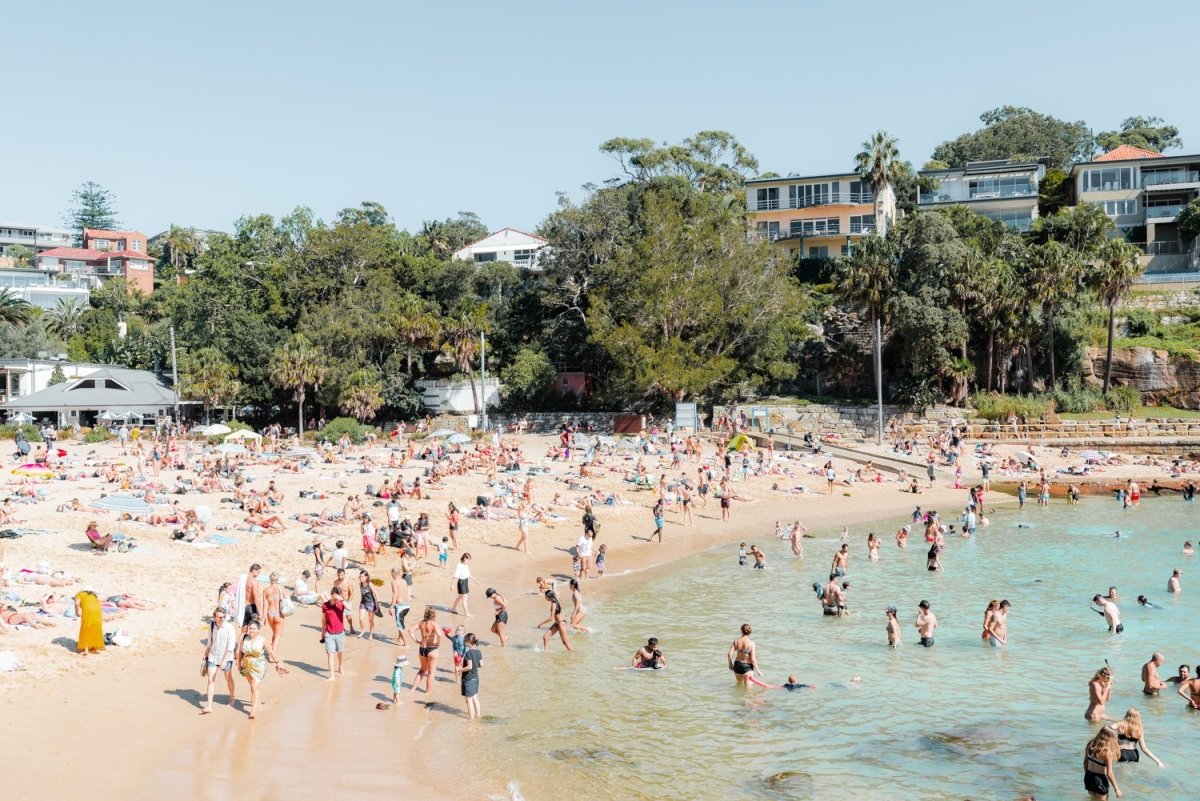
(1004, 190)
(815, 216)
(1144, 192)
(104, 255)
(35, 237)
(507, 244)
(104, 389)
(45, 290)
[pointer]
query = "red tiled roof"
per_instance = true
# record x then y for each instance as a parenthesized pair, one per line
(121, 254)
(100, 233)
(1129, 153)
(71, 253)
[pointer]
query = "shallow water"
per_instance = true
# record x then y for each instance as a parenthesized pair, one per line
(959, 720)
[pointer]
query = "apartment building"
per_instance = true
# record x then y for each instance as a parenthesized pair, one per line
(35, 237)
(507, 244)
(1144, 192)
(104, 255)
(815, 216)
(1002, 189)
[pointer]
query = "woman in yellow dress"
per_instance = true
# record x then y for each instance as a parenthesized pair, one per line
(91, 622)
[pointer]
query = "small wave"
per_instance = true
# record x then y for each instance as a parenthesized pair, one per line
(514, 792)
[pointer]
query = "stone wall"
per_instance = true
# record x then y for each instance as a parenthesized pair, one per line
(542, 422)
(847, 421)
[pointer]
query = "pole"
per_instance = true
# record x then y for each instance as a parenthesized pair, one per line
(174, 375)
(879, 379)
(482, 381)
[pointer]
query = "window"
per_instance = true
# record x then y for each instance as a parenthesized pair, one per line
(1001, 186)
(135, 244)
(860, 192)
(1115, 208)
(480, 258)
(818, 252)
(523, 256)
(1108, 179)
(110, 384)
(1020, 219)
(769, 229)
(862, 223)
(86, 383)
(804, 195)
(768, 198)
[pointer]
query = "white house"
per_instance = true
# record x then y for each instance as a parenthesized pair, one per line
(507, 244)
(456, 397)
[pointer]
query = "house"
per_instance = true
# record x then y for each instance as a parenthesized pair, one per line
(507, 244)
(35, 237)
(1144, 192)
(26, 376)
(43, 289)
(104, 255)
(1001, 189)
(105, 389)
(457, 397)
(815, 216)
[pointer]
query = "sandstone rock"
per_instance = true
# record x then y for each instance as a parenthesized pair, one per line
(1161, 378)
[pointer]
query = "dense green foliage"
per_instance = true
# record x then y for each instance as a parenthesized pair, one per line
(94, 207)
(1149, 133)
(1012, 132)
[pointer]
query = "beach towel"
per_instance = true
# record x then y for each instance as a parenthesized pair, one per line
(240, 598)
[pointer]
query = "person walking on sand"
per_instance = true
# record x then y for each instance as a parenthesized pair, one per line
(658, 520)
(452, 523)
(583, 549)
(925, 624)
(743, 658)
(253, 655)
(401, 598)
(558, 623)
(462, 586)
(501, 608)
(428, 638)
(218, 656)
(1151, 683)
(522, 529)
(368, 605)
(370, 542)
(273, 597)
(333, 630)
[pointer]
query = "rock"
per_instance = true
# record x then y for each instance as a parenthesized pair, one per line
(1161, 378)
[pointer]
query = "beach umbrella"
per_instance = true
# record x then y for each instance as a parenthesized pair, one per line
(32, 469)
(216, 430)
(441, 432)
(21, 417)
(458, 439)
(123, 503)
(243, 434)
(106, 416)
(1024, 457)
(230, 448)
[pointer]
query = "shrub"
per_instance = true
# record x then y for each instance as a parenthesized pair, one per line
(1123, 399)
(1140, 322)
(1072, 397)
(994, 406)
(9, 431)
(334, 429)
(97, 434)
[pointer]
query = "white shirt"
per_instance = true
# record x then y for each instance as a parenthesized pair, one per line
(393, 512)
(301, 587)
(339, 557)
(463, 571)
(585, 546)
(221, 643)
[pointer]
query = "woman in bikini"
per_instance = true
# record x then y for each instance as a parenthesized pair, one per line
(578, 611)
(272, 597)
(1098, 758)
(428, 639)
(1099, 691)
(558, 623)
(367, 604)
(501, 607)
(743, 658)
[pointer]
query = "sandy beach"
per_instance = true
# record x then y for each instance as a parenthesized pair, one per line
(125, 723)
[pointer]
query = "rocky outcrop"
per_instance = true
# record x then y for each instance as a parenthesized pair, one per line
(1161, 378)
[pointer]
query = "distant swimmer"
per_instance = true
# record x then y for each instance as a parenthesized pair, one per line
(1187, 548)
(1146, 602)
(793, 683)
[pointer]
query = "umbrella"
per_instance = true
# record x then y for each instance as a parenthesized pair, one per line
(215, 430)
(127, 415)
(230, 447)
(33, 469)
(241, 435)
(21, 417)
(441, 432)
(458, 439)
(106, 416)
(123, 503)
(1025, 457)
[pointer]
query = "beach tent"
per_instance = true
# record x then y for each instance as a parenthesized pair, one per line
(738, 442)
(215, 430)
(21, 417)
(243, 434)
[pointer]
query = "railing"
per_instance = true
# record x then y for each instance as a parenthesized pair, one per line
(1066, 429)
(1168, 248)
(825, 199)
(1170, 177)
(767, 205)
(1169, 277)
(800, 233)
(960, 197)
(862, 228)
(1167, 212)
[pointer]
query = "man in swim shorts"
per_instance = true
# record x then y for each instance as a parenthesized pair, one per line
(649, 657)
(1112, 615)
(925, 624)
(1151, 683)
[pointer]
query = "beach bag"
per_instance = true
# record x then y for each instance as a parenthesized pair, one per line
(286, 607)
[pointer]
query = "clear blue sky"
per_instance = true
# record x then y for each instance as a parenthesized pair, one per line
(198, 113)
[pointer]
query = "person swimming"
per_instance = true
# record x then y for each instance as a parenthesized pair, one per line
(793, 683)
(1146, 602)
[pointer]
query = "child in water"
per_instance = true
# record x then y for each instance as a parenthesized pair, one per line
(742, 554)
(601, 561)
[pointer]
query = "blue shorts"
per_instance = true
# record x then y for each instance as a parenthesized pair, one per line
(228, 666)
(443, 558)
(335, 643)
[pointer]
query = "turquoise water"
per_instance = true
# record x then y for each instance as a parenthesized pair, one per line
(957, 721)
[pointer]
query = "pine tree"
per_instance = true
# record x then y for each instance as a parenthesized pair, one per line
(95, 207)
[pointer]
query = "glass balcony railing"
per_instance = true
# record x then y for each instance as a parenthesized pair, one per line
(957, 195)
(1167, 212)
(1167, 177)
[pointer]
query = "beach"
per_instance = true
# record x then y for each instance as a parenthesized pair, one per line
(125, 723)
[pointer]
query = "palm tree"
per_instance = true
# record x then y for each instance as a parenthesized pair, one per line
(866, 279)
(210, 378)
(65, 319)
(1116, 268)
(362, 396)
(417, 325)
(1056, 273)
(460, 340)
(180, 247)
(297, 365)
(879, 164)
(14, 310)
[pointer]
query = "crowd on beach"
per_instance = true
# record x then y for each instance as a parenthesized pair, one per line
(392, 517)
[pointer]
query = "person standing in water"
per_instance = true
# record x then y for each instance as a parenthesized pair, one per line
(743, 657)
(649, 657)
(893, 628)
(501, 607)
(797, 546)
(1189, 689)
(1131, 737)
(470, 675)
(841, 561)
(1151, 683)
(558, 623)
(1099, 691)
(1112, 615)
(1102, 752)
(995, 624)
(1173, 582)
(925, 624)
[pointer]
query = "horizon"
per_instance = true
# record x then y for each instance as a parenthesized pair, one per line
(348, 112)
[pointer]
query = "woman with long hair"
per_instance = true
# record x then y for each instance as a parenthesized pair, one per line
(367, 605)
(252, 657)
(1101, 754)
(462, 585)
(1099, 691)
(273, 600)
(428, 639)
(1131, 736)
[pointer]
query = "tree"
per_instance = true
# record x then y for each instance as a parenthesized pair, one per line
(1056, 274)
(1054, 192)
(65, 320)
(1013, 132)
(180, 248)
(14, 310)
(417, 326)
(209, 377)
(710, 161)
(866, 280)
(879, 163)
(362, 394)
(526, 378)
(1189, 222)
(94, 207)
(1081, 228)
(460, 341)
(1112, 275)
(297, 365)
(443, 237)
(1148, 133)
(57, 376)
(21, 256)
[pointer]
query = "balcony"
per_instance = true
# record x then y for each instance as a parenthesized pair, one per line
(1170, 179)
(955, 194)
(1166, 213)
(862, 228)
(825, 199)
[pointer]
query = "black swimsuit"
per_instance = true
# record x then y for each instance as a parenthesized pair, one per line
(1093, 782)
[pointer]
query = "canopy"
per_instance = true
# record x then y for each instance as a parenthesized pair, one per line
(106, 416)
(21, 417)
(738, 442)
(441, 432)
(33, 469)
(230, 447)
(215, 430)
(243, 434)
(123, 503)
(458, 439)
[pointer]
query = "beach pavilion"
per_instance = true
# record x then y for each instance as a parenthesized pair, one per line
(111, 393)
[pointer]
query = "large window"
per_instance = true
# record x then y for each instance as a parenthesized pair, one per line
(769, 229)
(821, 252)
(804, 195)
(862, 224)
(480, 258)
(523, 256)
(1116, 208)
(1108, 179)
(1001, 186)
(860, 192)
(1020, 219)
(768, 198)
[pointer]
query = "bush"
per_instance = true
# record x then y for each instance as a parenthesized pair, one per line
(66, 433)
(1072, 397)
(1140, 323)
(97, 434)
(9, 431)
(334, 429)
(994, 406)
(1123, 399)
